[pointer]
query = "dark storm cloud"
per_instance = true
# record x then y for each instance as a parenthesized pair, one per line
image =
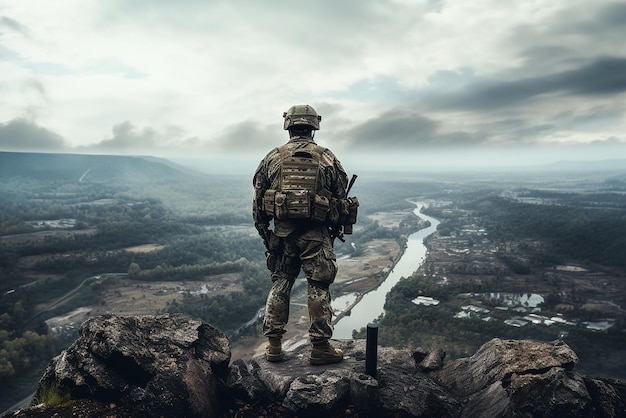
(613, 15)
(14, 25)
(598, 22)
(250, 137)
(126, 136)
(604, 76)
(402, 129)
(23, 135)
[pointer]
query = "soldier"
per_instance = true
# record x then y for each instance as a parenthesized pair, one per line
(301, 187)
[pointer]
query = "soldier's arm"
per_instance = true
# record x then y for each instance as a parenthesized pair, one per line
(261, 184)
(341, 180)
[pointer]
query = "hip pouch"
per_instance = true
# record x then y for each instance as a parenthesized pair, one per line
(346, 212)
(291, 204)
(320, 209)
(296, 204)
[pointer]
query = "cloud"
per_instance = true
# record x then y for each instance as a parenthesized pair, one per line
(251, 138)
(23, 135)
(605, 76)
(127, 138)
(13, 25)
(213, 78)
(393, 129)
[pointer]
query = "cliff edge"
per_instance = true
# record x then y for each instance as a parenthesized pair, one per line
(174, 366)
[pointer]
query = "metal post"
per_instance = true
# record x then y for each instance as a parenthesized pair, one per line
(371, 350)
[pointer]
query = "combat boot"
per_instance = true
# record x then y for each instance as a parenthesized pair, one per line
(324, 353)
(274, 350)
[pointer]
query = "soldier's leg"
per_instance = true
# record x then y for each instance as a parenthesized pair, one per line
(321, 270)
(320, 313)
(278, 299)
(277, 306)
(320, 265)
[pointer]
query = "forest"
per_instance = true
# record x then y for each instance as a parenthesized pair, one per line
(587, 229)
(68, 222)
(61, 229)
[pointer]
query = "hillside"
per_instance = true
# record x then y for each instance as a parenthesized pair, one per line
(71, 226)
(140, 235)
(79, 168)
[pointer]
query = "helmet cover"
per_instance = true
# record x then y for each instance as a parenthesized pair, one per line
(301, 115)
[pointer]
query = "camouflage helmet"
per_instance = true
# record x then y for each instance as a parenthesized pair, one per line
(301, 115)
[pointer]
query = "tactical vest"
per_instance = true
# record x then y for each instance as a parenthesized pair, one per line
(298, 194)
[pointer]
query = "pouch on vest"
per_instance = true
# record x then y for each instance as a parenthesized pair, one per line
(298, 204)
(292, 204)
(353, 209)
(320, 209)
(268, 201)
(346, 212)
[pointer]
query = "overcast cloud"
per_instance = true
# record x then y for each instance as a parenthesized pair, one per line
(491, 81)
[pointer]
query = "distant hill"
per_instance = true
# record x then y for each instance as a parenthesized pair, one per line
(90, 168)
(58, 176)
(601, 165)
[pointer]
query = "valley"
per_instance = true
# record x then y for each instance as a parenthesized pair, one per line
(138, 238)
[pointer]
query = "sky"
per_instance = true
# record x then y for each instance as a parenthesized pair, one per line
(399, 83)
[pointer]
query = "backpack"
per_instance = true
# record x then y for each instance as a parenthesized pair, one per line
(298, 193)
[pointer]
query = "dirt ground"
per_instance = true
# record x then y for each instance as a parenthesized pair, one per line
(389, 219)
(131, 297)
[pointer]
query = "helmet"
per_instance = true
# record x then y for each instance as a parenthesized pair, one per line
(301, 115)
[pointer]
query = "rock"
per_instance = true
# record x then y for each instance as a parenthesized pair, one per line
(165, 365)
(401, 389)
(506, 378)
(174, 366)
(432, 361)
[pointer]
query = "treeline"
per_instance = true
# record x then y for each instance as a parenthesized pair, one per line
(382, 194)
(408, 325)
(596, 235)
(186, 218)
(25, 349)
(228, 312)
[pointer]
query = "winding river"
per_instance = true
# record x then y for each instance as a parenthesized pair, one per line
(372, 304)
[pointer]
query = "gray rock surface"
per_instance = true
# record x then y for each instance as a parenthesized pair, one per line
(165, 365)
(400, 388)
(173, 366)
(511, 378)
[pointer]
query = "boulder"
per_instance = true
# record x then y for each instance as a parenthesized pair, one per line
(166, 365)
(511, 378)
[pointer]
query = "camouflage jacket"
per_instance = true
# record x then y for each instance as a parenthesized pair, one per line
(331, 177)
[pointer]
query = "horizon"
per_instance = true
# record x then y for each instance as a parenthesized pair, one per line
(452, 84)
(246, 166)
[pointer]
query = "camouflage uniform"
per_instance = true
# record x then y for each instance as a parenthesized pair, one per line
(303, 244)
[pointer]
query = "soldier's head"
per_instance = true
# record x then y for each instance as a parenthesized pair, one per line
(301, 120)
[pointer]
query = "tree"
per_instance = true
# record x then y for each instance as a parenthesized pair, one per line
(134, 269)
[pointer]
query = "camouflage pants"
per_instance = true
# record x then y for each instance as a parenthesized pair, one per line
(314, 250)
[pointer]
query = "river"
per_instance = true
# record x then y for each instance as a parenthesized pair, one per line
(372, 304)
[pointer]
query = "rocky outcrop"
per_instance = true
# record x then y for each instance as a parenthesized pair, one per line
(173, 366)
(153, 366)
(507, 378)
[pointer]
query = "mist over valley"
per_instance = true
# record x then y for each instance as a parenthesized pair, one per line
(84, 235)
